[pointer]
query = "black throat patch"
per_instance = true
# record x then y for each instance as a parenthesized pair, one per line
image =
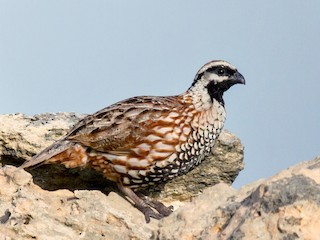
(216, 90)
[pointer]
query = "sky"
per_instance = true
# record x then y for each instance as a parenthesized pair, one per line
(80, 56)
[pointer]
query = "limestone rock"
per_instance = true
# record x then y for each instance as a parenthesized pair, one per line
(22, 136)
(29, 212)
(56, 203)
(286, 206)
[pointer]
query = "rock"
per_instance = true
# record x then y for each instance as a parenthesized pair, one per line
(285, 206)
(21, 137)
(188, 221)
(29, 212)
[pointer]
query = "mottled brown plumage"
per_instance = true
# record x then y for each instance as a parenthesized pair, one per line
(145, 140)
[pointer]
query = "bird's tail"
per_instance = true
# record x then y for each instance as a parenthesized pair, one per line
(63, 151)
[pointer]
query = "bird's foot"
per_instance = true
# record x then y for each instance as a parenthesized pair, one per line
(159, 206)
(147, 206)
(148, 213)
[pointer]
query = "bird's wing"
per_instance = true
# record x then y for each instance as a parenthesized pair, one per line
(117, 127)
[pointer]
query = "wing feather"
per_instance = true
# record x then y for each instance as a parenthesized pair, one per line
(116, 127)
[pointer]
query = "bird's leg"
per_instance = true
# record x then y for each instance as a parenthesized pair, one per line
(145, 206)
(159, 206)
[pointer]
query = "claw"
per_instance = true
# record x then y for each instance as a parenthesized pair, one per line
(149, 213)
(159, 206)
(146, 205)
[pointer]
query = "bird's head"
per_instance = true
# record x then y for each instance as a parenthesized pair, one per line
(213, 79)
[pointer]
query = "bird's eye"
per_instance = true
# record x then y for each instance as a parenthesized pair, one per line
(221, 71)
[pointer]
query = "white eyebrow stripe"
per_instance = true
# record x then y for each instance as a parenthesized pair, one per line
(215, 64)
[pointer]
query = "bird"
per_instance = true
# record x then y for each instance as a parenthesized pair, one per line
(147, 140)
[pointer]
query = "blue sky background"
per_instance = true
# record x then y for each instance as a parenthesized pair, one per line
(80, 56)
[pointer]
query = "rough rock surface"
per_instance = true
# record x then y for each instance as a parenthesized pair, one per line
(22, 136)
(29, 212)
(285, 206)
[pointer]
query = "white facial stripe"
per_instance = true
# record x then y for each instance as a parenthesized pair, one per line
(214, 64)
